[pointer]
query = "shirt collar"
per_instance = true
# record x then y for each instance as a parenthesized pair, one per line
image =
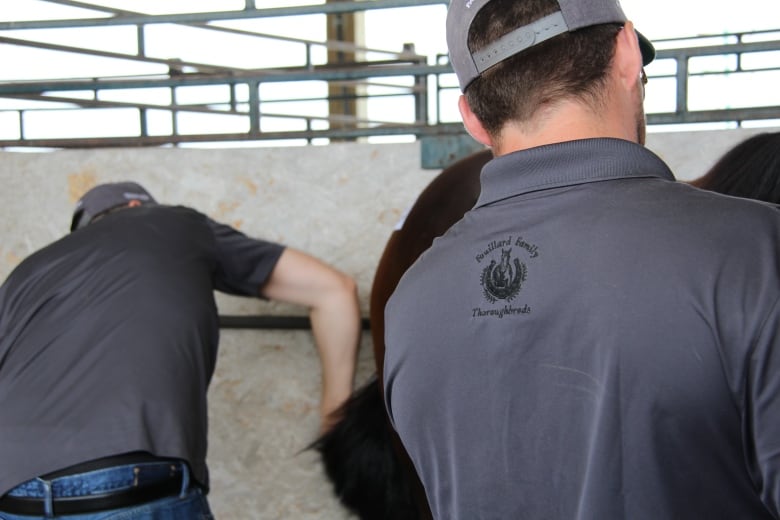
(567, 164)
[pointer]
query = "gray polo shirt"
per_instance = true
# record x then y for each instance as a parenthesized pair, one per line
(592, 341)
(108, 339)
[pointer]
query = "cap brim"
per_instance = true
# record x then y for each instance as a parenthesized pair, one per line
(647, 49)
(74, 224)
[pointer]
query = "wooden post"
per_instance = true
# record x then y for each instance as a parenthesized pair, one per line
(344, 106)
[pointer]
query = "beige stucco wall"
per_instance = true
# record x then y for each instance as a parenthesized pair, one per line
(338, 202)
(691, 154)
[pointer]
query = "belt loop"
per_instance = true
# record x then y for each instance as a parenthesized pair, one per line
(185, 479)
(48, 501)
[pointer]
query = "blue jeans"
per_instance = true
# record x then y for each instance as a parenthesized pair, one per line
(189, 504)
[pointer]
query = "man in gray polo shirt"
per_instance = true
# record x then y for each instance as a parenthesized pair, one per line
(108, 341)
(593, 340)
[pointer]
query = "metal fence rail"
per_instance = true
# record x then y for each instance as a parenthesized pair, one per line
(731, 53)
(425, 84)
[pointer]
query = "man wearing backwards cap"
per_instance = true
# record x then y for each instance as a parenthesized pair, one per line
(108, 340)
(593, 340)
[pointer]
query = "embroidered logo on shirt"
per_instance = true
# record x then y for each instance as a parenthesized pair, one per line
(504, 275)
(502, 280)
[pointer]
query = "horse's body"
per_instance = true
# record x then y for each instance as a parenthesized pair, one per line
(370, 470)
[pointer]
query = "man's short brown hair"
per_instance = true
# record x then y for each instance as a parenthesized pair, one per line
(570, 65)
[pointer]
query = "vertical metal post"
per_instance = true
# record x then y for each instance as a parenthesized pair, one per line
(739, 54)
(682, 84)
(144, 125)
(420, 90)
(254, 108)
(140, 40)
(233, 102)
(438, 92)
(739, 68)
(421, 99)
(174, 113)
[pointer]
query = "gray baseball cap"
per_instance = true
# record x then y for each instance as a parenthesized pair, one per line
(104, 197)
(573, 15)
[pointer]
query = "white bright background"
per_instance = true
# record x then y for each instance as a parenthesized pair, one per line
(386, 29)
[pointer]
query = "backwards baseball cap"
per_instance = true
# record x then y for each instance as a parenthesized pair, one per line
(104, 197)
(573, 15)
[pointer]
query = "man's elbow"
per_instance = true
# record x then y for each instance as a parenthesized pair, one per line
(338, 290)
(347, 287)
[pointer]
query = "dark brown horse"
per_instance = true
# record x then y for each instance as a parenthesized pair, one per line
(363, 457)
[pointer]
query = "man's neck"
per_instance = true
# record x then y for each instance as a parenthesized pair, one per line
(566, 121)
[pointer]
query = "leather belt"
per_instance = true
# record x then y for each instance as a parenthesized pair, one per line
(93, 503)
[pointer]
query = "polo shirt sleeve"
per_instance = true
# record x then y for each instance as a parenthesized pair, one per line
(243, 263)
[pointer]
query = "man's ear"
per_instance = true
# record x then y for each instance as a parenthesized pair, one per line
(133, 203)
(473, 124)
(628, 56)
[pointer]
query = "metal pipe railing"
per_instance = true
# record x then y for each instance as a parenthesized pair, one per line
(243, 98)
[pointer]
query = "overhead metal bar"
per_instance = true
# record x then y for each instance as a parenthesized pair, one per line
(332, 45)
(203, 67)
(211, 109)
(718, 50)
(101, 103)
(331, 8)
(160, 140)
(318, 73)
(736, 115)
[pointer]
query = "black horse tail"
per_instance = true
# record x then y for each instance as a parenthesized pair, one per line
(361, 462)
